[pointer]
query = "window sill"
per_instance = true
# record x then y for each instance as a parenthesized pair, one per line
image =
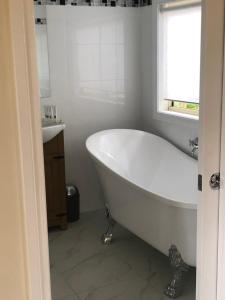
(177, 118)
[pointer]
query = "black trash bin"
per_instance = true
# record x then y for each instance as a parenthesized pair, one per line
(73, 203)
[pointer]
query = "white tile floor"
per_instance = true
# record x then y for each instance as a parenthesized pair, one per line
(129, 269)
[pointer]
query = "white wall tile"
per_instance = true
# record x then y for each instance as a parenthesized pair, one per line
(40, 11)
(95, 82)
(101, 69)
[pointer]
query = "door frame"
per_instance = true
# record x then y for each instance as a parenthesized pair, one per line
(221, 233)
(28, 117)
(210, 147)
(31, 152)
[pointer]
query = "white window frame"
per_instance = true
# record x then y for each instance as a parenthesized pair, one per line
(158, 114)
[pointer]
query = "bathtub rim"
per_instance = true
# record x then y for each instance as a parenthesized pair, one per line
(163, 199)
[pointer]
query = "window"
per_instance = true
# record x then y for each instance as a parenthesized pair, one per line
(179, 53)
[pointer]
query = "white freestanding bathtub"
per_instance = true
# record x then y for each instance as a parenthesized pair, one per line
(150, 188)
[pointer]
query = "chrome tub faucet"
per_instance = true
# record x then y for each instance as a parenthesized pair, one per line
(194, 146)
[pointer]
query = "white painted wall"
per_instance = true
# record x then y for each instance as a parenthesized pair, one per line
(95, 81)
(101, 72)
(177, 132)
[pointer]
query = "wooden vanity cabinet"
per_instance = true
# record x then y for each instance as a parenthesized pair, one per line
(55, 182)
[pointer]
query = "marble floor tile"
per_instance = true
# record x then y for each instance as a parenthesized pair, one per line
(126, 290)
(84, 269)
(72, 297)
(60, 289)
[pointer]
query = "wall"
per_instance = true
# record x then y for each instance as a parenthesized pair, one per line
(102, 76)
(95, 81)
(178, 133)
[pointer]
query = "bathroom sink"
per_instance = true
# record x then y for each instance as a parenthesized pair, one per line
(50, 128)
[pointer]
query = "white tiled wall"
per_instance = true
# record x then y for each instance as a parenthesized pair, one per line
(40, 11)
(95, 81)
(101, 71)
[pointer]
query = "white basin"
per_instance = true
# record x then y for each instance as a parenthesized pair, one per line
(50, 128)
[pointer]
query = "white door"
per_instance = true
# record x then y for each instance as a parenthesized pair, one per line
(221, 234)
(209, 155)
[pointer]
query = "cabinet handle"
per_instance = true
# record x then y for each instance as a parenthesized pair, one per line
(59, 157)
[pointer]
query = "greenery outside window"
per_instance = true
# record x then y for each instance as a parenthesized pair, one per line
(184, 107)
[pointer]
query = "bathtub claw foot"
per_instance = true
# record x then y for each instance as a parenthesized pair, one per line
(175, 287)
(107, 237)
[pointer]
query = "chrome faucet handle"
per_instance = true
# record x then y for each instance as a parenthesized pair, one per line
(194, 142)
(194, 146)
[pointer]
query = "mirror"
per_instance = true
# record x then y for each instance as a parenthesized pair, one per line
(42, 56)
